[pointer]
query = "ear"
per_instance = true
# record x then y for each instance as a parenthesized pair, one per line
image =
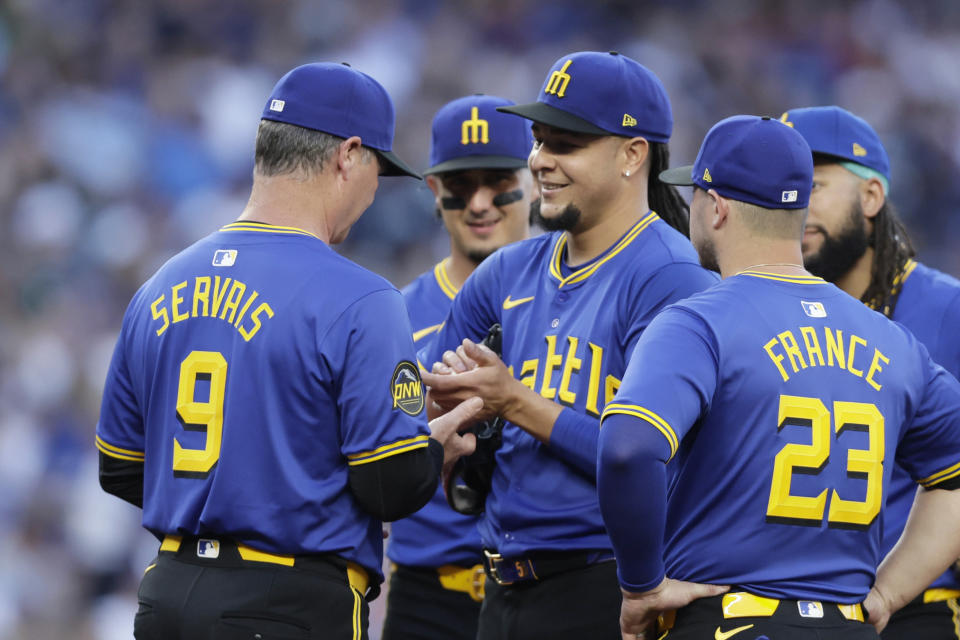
(349, 155)
(871, 197)
(720, 210)
(636, 153)
(434, 183)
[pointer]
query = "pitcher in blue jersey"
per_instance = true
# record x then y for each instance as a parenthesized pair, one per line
(855, 240)
(263, 404)
(572, 303)
(782, 404)
(482, 188)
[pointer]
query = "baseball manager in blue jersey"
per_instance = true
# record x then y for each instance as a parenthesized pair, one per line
(572, 304)
(782, 405)
(482, 189)
(263, 404)
(854, 239)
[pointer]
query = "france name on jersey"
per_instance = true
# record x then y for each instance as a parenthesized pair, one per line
(566, 335)
(929, 306)
(784, 400)
(251, 371)
(436, 535)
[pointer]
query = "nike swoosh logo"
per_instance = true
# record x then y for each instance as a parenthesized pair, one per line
(510, 304)
(723, 635)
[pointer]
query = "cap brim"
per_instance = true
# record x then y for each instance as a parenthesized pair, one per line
(678, 175)
(477, 162)
(394, 166)
(543, 113)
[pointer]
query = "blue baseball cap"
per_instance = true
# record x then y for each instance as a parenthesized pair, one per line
(601, 94)
(469, 133)
(836, 132)
(751, 159)
(339, 100)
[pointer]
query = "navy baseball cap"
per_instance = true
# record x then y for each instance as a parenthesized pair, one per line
(751, 159)
(602, 94)
(836, 132)
(341, 101)
(469, 133)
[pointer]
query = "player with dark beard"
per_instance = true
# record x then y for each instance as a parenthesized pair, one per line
(854, 239)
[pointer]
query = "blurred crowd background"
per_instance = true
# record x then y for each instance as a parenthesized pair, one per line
(126, 133)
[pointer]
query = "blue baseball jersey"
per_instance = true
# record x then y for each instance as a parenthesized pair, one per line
(252, 370)
(567, 333)
(436, 535)
(929, 306)
(785, 403)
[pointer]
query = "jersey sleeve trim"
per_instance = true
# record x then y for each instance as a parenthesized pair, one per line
(387, 450)
(651, 417)
(941, 476)
(117, 452)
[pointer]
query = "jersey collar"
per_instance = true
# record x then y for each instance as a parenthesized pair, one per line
(767, 275)
(443, 279)
(263, 227)
(589, 269)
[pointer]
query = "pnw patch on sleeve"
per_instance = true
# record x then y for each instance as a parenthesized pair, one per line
(407, 388)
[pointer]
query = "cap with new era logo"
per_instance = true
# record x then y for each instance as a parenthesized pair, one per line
(469, 133)
(339, 100)
(837, 132)
(602, 94)
(751, 159)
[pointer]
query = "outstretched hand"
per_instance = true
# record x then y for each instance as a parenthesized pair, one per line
(472, 370)
(639, 611)
(445, 430)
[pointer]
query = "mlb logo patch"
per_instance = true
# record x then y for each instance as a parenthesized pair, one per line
(788, 196)
(224, 257)
(207, 548)
(814, 309)
(810, 609)
(277, 105)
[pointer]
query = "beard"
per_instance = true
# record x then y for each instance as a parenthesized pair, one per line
(707, 253)
(566, 221)
(840, 252)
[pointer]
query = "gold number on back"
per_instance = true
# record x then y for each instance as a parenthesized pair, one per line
(861, 463)
(200, 415)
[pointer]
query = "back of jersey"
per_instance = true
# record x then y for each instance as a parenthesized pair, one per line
(800, 396)
(251, 371)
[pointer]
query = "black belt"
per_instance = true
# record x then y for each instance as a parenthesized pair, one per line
(538, 566)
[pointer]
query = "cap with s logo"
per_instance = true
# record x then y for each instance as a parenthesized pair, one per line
(469, 133)
(601, 94)
(339, 100)
(751, 159)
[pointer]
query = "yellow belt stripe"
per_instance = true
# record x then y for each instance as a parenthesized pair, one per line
(940, 595)
(952, 603)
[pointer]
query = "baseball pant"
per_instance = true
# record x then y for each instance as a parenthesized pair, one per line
(420, 608)
(931, 621)
(704, 619)
(573, 605)
(189, 598)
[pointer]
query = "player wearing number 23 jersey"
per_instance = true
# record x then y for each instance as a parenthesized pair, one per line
(781, 404)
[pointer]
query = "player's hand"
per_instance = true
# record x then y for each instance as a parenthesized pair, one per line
(639, 611)
(878, 609)
(472, 370)
(445, 430)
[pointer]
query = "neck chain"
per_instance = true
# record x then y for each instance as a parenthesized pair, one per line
(772, 264)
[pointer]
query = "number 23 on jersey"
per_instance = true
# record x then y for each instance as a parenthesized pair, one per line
(863, 464)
